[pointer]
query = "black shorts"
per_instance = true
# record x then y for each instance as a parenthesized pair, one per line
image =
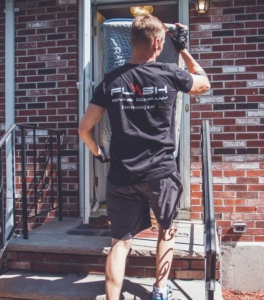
(128, 207)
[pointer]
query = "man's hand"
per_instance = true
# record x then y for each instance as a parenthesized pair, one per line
(101, 156)
(179, 37)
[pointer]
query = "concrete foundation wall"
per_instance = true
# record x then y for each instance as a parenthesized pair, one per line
(242, 266)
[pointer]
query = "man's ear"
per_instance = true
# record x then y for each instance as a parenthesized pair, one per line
(157, 43)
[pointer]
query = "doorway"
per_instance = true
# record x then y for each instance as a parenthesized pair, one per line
(168, 12)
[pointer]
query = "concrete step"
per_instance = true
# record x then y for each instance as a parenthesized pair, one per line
(67, 247)
(34, 286)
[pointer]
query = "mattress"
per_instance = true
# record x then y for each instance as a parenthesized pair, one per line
(116, 52)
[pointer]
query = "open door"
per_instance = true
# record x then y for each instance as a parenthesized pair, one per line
(102, 10)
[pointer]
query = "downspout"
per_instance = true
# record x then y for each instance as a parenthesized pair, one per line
(9, 108)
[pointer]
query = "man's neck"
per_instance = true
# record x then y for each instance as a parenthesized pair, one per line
(141, 58)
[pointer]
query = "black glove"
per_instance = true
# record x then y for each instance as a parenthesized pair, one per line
(179, 38)
(101, 157)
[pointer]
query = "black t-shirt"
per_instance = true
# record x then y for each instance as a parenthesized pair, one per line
(140, 101)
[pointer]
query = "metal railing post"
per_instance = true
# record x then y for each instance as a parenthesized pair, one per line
(2, 224)
(209, 218)
(24, 183)
(59, 174)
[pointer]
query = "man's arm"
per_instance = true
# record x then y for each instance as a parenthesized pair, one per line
(201, 83)
(93, 115)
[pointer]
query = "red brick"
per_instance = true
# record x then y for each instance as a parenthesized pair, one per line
(197, 264)
(44, 267)
(226, 136)
(188, 274)
(86, 259)
(254, 69)
(96, 269)
(255, 173)
(255, 231)
(257, 187)
(196, 201)
(195, 187)
(234, 202)
(224, 223)
(180, 264)
(142, 261)
(135, 272)
(260, 209)
(233, 40)
(221, 48)
(218, 202)
(245, 209)
(217, 274)
(75, 269)
(224, 121)
(246, 62)
(259, 238)
(195, 216)
(234, 114)
(234, 128)
(35, 78)
(252, 195)
(18, 265)
(149, 272)
(235, 187)
(221, 209)
(11, 256)
(58, 257)
(219, 187)
(247, 136)
(234, 173)
(31, 256)
(224, 194)
(251, 216)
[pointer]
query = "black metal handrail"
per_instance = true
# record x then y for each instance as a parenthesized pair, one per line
(209, 217)
(7, 135)
(40, 182)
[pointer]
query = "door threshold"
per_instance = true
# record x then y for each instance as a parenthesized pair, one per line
(101, 211)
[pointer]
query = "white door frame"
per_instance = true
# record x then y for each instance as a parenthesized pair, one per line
(84, 85)
(85, 92)
(185, 153)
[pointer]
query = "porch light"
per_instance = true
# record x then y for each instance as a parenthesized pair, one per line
(201, 6)
(141, 10)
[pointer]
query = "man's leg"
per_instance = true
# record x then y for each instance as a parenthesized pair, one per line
(164, 255)
(115, 268)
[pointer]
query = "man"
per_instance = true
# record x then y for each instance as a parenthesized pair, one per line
(140, 100)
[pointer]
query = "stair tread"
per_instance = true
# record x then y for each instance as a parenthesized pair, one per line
(19, 285)
(54, 237)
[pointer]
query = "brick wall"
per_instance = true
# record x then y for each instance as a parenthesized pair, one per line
(46, 71)
(46, 75)
(182, 267)
(228, 42)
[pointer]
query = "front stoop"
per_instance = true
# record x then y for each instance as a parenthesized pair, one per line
(51, 249)
(28, 286)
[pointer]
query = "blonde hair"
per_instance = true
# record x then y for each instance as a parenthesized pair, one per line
(144, 29)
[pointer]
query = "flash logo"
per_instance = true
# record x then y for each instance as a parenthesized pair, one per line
(152, 90)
